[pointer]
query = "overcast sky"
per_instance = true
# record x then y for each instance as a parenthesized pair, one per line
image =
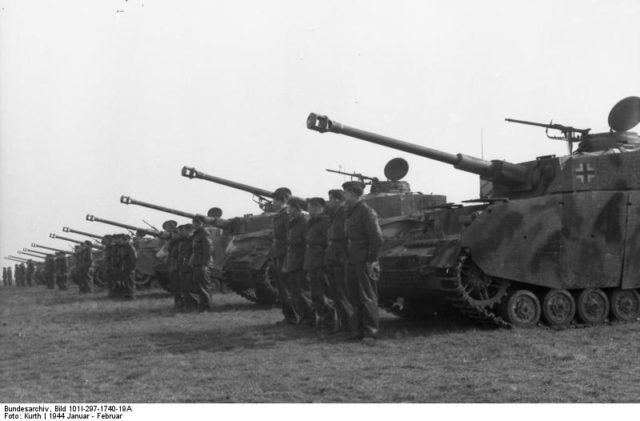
(102, 98)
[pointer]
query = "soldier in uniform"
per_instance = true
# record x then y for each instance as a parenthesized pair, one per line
(29, 276)
(364, 244)
(314, 266)
(294, 262)
(108, 264)
(336, 257)
(49, 271)
(9, 276)
(83, 264)
(4, 276)
(173, 264)
(199, 295)
(185, 247)
(20, 269)
(61, 270)
(125, 264)
(279, 251)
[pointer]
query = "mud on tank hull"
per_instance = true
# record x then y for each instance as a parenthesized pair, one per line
(563, 258)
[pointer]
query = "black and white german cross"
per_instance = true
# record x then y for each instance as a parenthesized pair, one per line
(585, 172)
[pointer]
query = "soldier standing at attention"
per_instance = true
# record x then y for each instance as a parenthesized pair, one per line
(61, 270)
(364, 243)
(30, 273)
(4, 276)
(108, 264)
(49, 272)
(336, 257)
(279, 252)
(20, 274)
(126, 264)
(83, 264)
(173, 264)
(9, 276)
(316, 241)
(199, 295)
(185, 248)
(294, 261)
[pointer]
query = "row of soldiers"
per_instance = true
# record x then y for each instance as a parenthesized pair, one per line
(57, 271)
(26, 275)
(326, 264)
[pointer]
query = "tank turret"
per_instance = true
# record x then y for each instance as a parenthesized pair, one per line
(129, 201)
(93, 218)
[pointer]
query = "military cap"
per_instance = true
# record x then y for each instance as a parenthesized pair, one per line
(87, 242)
(214, 212)
(354, 187)
(169, 225)
(318, 201)
(336, 194)
(297, 203)
(282, 194)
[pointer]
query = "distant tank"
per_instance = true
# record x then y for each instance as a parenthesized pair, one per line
(246, 268)
(148, 265)
(219, 243)
(556, 237)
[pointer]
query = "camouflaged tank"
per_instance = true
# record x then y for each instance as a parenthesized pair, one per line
(149, 266)
(556, 238)
(396, 206)
(246, 267)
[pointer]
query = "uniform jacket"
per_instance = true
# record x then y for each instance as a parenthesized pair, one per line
(316, 239)
(202, 244)
(364, 236)
(296, 244)
(336, 252)
(280, 226)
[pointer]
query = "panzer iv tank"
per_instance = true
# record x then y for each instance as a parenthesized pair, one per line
(556, 238)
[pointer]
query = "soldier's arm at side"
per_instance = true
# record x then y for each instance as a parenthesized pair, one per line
(374, 235)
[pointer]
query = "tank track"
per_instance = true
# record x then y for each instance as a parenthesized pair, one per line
(459, 298)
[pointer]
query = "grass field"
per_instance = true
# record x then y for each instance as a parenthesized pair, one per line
(59, 346)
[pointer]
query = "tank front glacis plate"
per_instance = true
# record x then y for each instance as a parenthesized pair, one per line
(388, 205)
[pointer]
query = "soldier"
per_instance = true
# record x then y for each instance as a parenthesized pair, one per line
(4, 276)
(61, 270)
(294, 262)
(364, 243)
(279, 251)
(125, 259)
(49, 271)
(199, 295)
(173, 263)
(73, 267)
(185, 247)
(20, 269)
(9, 276)
(30, 272)
(336, 257)
(83, 264)
(314, 266)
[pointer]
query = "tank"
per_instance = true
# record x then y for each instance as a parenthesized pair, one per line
(553, 239)
(246, 268)
(148, 265)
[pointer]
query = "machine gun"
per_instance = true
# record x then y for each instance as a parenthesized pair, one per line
(570, 134)
(362, 178)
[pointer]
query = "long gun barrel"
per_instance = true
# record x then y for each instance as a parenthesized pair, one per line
(50, 248)
(29, 254)
(36, 252)
(121, 225)
(86, 234)
(502, 171)
(191, 172)
(129, 201)
(16, 259)
(59, 237)
(567, 131)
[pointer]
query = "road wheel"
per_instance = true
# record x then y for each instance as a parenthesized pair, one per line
(592, 306)
(625, 304)
(558, 307)
(522, 309)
